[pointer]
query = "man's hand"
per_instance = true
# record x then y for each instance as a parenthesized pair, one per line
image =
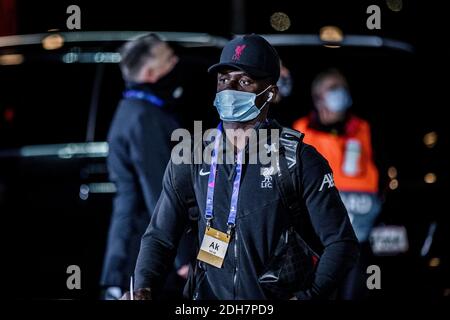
(112, 293)
(139, 294)
(183, 272)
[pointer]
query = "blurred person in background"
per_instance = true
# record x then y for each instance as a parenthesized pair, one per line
(139, 150)
(345, 141)
(284, 84)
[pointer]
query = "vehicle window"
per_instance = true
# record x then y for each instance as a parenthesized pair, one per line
(44, 102)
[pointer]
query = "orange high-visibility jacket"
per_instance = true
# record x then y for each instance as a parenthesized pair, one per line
(333, 148)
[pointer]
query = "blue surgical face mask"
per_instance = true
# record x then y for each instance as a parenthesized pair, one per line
(238, 106)
(338, 100)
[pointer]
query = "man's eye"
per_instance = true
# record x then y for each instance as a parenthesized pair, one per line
(223, 80)
(245, 82)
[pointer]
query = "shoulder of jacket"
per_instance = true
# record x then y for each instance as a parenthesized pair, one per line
(301, 124)
(290, 141)
(291, 134)
(358, 123)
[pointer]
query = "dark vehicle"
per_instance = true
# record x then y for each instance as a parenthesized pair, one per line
(58, 92)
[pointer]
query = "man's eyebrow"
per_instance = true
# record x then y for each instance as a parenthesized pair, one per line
(244, 74)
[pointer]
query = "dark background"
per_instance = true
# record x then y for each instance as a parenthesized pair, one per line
(402, 94)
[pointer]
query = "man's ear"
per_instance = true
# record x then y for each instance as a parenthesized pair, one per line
(150, 75)
(272, 93)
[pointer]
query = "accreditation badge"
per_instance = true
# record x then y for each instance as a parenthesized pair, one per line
(214, 247)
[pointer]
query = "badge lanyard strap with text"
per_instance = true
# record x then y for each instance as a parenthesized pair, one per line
(209, 211)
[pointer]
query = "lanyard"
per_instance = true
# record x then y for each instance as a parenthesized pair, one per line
(142, 95)
(209, 214)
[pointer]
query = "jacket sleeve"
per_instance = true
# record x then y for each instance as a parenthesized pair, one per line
(330, 222)
(160, 241)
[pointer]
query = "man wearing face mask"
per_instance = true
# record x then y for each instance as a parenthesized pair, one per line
(139, 149)
(237, 209)
(345, 141)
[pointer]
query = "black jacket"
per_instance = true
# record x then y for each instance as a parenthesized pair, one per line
(261, 218)
(139, 150)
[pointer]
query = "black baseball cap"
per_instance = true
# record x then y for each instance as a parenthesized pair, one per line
(251, 54)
